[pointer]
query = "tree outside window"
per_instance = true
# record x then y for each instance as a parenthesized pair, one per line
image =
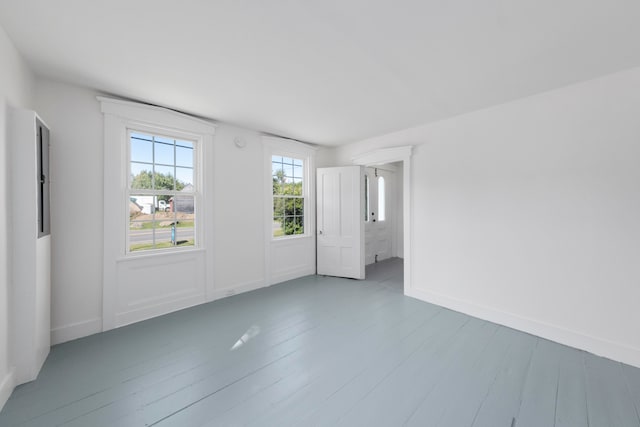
(288, 196)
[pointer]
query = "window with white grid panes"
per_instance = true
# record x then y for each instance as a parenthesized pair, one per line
(287, 175)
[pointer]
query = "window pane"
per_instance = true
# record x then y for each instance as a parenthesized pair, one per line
(298, 205)
(141, 236)
(184, 177)
(293, 225)
(163, 178)
(288, 171)
(278, 184)
(184, 153)
(163, 151)
(184, 207)
(141, 206)
(141, 150)
(289, 187)
(278, 206)
(297, 187)
(162, 205)
(278, 226)
(381, 199)
(140, 176)
(297, 171)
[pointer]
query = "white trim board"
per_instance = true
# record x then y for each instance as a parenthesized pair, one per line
(597, 346)
(76, 330)
(6, 387)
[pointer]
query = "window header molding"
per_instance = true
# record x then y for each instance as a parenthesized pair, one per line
(383, 155)
(289, 146)
(144, 113)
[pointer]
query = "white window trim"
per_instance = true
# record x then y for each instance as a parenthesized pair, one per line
(288, 148)
(280, 146)
(119, 117)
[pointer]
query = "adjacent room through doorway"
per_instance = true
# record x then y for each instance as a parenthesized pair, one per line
(383, 218)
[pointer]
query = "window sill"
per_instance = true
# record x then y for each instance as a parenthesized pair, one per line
(160, 253)
(290, 238)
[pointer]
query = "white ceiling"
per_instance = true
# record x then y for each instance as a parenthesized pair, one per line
(325, 71)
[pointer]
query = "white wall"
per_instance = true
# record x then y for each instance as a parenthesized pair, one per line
(239, 211)
(73, 113)
(76, 123)
(16, 84)
(528, 213)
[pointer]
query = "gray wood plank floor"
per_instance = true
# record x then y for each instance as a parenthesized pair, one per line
(324, 351)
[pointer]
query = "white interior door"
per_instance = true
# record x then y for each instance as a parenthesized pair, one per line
(340, 214)
(378, 190)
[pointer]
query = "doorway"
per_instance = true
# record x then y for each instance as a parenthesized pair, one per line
(382, 210)
(397, 161)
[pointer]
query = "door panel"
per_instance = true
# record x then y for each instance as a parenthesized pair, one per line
(340, 228)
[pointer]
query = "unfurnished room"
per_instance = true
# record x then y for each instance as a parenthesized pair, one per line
(329, 213)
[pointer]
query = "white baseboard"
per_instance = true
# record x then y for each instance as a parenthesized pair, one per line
(294, 273)
(7, 385)
(238, 288)
(76, 330)
(155, 310)
(598, 346)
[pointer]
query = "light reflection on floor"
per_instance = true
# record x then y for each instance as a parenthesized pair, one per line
(250, 333)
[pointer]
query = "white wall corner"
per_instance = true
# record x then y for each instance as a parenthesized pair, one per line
(7, 385)
(76, 330)
(599, 347)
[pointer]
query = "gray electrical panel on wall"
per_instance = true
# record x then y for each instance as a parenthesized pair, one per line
(42, 178)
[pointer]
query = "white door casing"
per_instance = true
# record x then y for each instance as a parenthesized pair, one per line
(389, 155)
(340, 225)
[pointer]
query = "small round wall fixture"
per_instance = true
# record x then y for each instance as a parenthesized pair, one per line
(239, 142)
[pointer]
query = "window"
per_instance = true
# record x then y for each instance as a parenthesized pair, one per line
(287, 175)
(381, 200)
(161, 192)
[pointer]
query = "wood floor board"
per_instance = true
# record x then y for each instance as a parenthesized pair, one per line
(317, 353)
(539, 396)
(290, 398)
(323, 351)
(456, 399)
(104, 397)
(571, 405)
(609, 402)
(379, 367)
(502, 402)
(418, 375)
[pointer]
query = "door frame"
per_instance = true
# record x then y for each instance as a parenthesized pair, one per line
(391, 155)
